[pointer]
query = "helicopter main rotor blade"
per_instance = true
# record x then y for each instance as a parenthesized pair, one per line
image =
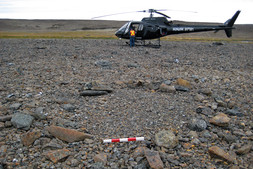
(113, 14)
(148, 11)
(180, 10)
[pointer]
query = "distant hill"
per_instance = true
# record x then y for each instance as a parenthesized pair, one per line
(57, 25)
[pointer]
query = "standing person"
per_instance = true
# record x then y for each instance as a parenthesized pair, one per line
(132, 37)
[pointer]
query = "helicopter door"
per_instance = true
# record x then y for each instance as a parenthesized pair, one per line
(139, 30)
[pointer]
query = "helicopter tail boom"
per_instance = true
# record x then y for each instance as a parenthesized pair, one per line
(230, 23)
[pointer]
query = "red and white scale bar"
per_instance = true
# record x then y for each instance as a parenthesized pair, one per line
(124, 139)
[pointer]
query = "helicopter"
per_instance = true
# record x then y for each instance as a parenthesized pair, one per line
(157, 27)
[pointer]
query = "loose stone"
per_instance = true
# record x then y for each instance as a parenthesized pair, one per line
(57, 155)
(218, 152)
(221, 120)
(30, 137)
(166, 138)
(68, 135)
(22, 121)
(154, 159)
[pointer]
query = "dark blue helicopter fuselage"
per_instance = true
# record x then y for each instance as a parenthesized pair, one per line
(157, 27)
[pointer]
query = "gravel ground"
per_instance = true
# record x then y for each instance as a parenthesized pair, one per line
(48, 76)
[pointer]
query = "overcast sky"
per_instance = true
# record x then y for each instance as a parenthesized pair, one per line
(204, 10)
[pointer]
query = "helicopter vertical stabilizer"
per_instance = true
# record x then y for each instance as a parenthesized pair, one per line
(229, 23)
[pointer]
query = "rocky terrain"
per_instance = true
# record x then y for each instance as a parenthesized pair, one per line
(191, 101)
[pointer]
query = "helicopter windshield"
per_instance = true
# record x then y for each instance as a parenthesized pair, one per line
(123, 31)
(125, 28)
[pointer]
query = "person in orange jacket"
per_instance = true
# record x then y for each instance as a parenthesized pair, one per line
(132, 37)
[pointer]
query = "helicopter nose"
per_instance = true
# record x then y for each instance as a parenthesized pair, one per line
(119, 33)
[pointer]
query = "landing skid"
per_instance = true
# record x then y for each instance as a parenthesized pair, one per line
(147, 43)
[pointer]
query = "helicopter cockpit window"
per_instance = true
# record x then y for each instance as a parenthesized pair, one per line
(125, 27)
(140, 28)
(137, 26)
